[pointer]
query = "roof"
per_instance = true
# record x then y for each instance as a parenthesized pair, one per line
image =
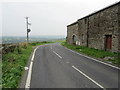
(72, 24)
(95, 12)
(101, 10)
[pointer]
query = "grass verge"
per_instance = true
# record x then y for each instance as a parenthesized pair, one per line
(13, 64)
(98, 54)
(59, 41)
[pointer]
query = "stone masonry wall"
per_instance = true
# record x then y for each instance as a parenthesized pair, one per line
(101, 24)
(72, 30)
(119, 27)
(92, 29)
(82, 31)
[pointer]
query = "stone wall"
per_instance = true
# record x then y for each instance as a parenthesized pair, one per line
(119, 27)
(101, 24)
(7, 48)
(82, 31)
(91, 30)
(72, 30)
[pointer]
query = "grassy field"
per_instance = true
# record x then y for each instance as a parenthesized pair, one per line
(99, 54)
(13, 64)
(59, 41)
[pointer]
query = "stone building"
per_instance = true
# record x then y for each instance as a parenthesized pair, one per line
(99, 30)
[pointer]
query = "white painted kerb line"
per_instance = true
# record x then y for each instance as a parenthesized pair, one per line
(30, 71)
(88, 77)
(57, 54)
(93, 59)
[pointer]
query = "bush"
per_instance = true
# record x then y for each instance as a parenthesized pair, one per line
(14, 62)
(13, 65)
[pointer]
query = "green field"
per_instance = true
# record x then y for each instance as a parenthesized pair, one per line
(95, 53)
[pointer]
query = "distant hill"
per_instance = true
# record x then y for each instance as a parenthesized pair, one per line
(17, 39)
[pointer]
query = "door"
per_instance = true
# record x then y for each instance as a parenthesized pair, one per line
(108, 42)
(74, 39)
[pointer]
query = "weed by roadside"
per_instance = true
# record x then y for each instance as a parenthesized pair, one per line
(100, 54)
(13, 63)
(40, 43)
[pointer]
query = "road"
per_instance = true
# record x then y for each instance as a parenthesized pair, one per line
(55, 66)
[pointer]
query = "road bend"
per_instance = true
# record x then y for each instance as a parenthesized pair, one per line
(55, 66)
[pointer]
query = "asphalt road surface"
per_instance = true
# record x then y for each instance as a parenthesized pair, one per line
(55, 66)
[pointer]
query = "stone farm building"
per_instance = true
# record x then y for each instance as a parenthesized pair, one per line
(99, 30)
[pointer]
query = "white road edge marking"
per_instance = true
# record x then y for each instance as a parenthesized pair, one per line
(30, 70)
(87, 77)
(57, 54)
(93, 59)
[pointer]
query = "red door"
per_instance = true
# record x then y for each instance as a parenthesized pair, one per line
(108, 42)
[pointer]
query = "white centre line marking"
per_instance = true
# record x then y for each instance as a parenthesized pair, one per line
(30, 71)
(67, 62)
(57, 55)
(88, 77)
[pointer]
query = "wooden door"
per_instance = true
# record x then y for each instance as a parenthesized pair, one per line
(108, 42)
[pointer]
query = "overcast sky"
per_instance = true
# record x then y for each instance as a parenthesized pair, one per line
(48, 17)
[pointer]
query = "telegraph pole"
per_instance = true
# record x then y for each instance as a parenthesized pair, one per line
(28, 30)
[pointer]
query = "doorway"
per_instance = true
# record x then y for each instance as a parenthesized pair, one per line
(108, 42)
(74, 39)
